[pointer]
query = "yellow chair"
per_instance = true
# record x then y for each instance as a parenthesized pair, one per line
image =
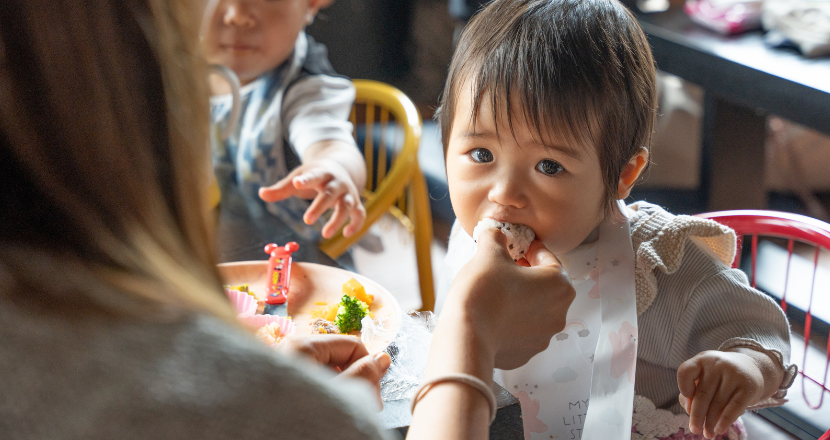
(401, 190)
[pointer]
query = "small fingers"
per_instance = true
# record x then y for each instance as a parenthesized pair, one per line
(338, 218)
(685, 402)
(358, 217)
(736, 406)
(702, 399)
(278, 191)
(687, 375)
(314, 179)
(324, 200)
(723, 396)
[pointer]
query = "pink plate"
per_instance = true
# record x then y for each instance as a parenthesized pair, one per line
(312, 284)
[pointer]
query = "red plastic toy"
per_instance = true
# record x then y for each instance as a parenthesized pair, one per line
(279, 271)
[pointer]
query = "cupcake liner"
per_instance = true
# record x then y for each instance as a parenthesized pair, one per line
(256, 321)
(243, 303)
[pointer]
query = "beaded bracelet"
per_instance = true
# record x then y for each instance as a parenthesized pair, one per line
(466, 379)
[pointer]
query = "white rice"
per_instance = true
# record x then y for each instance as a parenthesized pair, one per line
(518, 236)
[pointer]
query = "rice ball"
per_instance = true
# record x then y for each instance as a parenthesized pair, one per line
(518, 236)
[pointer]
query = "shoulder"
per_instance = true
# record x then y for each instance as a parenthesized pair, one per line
(193, 376)
(661, 246)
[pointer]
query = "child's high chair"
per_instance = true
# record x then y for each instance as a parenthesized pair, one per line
(388, 126)
(802, 236)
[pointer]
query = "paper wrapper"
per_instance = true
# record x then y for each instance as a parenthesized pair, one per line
(243, 303)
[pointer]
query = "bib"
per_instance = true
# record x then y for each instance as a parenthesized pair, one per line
(582, 385)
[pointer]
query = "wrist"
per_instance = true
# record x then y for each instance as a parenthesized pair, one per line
(458, 346)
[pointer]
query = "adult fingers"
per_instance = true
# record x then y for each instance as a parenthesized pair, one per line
(357, 216)
(736, 406)
(370, 368)
(493, 244)
(722, 397)
(539, 255)
(704, 393)
(325, 199)
(336, 351)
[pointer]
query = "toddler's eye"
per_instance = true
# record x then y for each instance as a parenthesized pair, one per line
(549, 167)
(481, 155)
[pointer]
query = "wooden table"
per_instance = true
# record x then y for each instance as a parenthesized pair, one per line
(744, 82)
(244, 230)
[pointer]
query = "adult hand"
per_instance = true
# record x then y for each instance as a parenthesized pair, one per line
(513, 310)
(497, 314)
(343, 353)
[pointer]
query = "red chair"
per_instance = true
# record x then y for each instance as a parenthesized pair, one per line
(791, 227)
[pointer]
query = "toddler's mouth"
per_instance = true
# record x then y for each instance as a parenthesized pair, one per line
(519, 236)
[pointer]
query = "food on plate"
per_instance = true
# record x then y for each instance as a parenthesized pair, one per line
(349, 314)
(518, 236)
(320, 326)
(270, 333)
(356, 290)
(329, 313)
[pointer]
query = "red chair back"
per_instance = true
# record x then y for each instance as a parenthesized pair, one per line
(791, 227)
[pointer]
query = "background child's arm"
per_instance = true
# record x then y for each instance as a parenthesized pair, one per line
(716, 387)
(315, 113)
(332, 173)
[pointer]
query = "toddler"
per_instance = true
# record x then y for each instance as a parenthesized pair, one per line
(293, 137)
(546, 120)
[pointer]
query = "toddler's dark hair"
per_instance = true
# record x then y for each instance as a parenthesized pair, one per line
(576, 68)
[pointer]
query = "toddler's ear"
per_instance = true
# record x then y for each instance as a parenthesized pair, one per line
(631, 172)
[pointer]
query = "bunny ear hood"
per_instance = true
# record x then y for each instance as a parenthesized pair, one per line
(659, 240)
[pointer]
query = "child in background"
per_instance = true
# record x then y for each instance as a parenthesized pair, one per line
(546, 120)
(293, 137)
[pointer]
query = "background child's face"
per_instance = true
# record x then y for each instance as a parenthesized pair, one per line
(556, 190)
(252, 37)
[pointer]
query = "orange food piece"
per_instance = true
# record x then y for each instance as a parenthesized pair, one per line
(356, 290)
(329, 313)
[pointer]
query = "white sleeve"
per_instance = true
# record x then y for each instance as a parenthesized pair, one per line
(316, 108)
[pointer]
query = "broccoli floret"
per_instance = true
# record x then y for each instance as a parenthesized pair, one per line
(349, 314)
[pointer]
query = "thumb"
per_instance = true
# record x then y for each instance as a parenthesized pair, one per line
(493, 244)
(539, 255)
(687, 375)
(370, 368)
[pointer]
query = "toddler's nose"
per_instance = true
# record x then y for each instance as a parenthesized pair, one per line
(238, 14)
(508, 192)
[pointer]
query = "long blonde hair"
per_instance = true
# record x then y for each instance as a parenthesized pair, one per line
(104, 149)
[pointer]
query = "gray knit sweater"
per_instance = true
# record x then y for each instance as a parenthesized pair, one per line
(701, 304)
(190, 377)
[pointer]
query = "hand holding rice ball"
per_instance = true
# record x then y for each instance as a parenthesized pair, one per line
(518, 236)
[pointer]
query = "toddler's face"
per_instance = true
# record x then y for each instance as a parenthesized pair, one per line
(252, 37)
(554, 187)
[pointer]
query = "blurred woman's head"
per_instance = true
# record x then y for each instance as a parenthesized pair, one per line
(103, 141)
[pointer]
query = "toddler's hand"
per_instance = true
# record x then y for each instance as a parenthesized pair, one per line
(331, 187)
(716, 387)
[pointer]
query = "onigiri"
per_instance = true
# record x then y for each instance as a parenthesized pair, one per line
(518, 236)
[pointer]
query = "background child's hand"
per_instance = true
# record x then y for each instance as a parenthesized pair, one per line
(716, 387)
(331, 186)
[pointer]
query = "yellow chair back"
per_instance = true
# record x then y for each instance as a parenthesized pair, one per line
(394, 180)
